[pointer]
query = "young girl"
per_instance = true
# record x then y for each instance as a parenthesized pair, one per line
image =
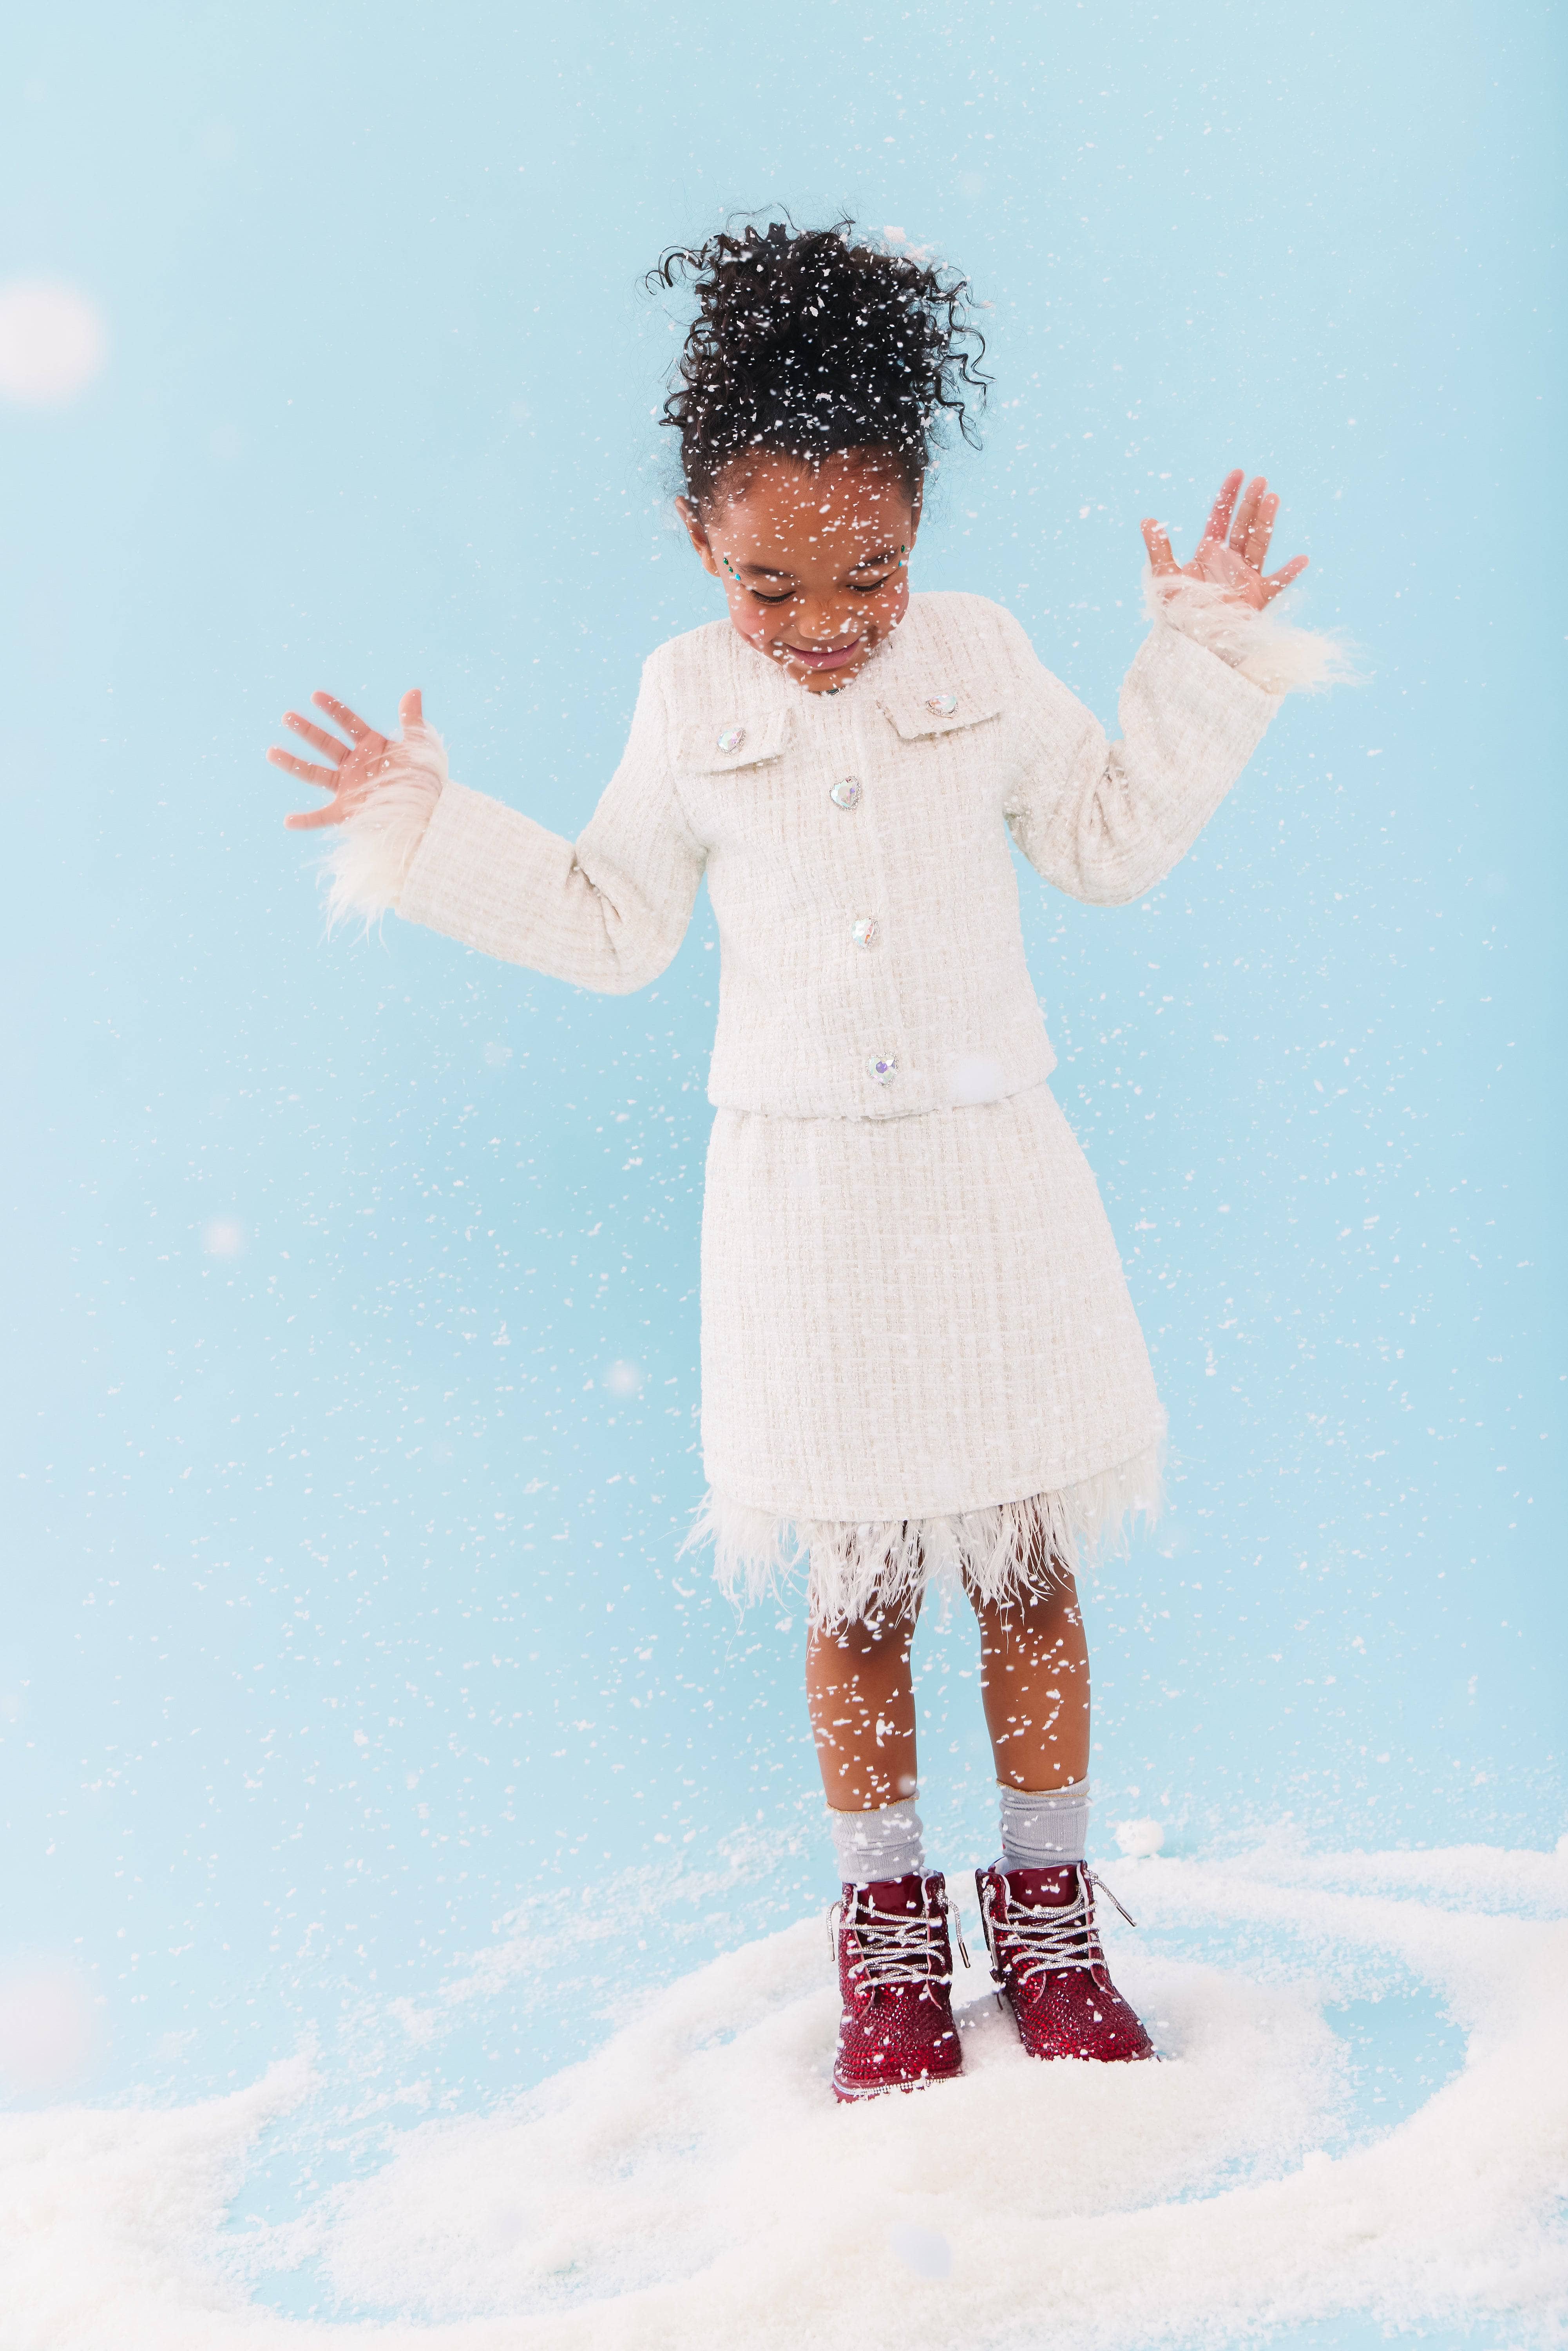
(919, 1357)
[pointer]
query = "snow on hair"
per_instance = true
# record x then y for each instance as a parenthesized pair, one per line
(807, 343)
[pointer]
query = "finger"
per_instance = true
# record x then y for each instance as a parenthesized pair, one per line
(1218, 521)
(410, 710)
(317, 737)
(1245, 512)
(1282, 579)
(1161, 560)
(307, 821)
(1262, 531)
(327, 777)
(353, 725)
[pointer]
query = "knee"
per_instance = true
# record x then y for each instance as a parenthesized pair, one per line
(1050, 1596)
(868, 1639)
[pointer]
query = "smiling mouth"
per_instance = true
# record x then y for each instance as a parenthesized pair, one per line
(824, 657)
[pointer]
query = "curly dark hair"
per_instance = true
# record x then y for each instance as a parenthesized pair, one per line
(806, 343)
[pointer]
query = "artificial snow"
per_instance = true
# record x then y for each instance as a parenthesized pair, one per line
(692, 2183)
(53, 341)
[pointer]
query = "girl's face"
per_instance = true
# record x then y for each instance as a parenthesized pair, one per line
(814, 558)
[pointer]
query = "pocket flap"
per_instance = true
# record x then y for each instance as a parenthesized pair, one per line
(721, 746)
(916, 714)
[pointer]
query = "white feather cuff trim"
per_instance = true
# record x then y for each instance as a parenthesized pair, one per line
(376, 846)
(880, 1567)
(1261, 646)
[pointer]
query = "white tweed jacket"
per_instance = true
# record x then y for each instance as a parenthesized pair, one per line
(856, 845)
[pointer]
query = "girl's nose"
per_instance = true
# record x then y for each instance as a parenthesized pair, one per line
(816, 626)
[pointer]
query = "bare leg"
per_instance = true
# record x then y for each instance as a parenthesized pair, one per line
(862, 1701)
(1034, 1681)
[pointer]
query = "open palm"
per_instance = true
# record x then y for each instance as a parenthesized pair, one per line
(355, 766)
(1230, 556)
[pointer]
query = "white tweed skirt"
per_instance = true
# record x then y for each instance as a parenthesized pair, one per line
(919, 1356)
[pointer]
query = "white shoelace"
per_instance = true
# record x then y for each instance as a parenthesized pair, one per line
(1049, 1942)
(892, 1947)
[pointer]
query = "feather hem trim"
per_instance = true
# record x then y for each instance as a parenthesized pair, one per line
(368, 863)
(881, 1567)
(1261, 646)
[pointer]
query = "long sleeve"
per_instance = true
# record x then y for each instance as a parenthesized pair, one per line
(863, 878)
(606, 912)
(1105, 822)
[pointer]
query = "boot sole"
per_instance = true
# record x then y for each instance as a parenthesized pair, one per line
(856, 2094)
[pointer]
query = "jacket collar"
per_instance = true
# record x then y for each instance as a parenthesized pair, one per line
(894, 671)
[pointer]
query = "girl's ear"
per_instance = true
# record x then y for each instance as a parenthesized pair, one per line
(697, 535)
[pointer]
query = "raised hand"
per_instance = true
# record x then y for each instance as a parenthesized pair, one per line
(1234, 563)
(356, 766)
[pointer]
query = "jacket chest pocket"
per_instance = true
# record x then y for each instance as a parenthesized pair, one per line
(968, 720)
(719, 745)
(945, 753)
(742, 789)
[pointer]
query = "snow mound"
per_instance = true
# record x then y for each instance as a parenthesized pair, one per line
(692, 2184)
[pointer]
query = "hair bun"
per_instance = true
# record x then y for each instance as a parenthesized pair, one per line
(806, 343)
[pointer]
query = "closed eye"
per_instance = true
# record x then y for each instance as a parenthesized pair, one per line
(856, 588)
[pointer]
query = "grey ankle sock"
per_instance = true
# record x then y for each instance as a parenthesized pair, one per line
(1044, 1832)
(884, 1843)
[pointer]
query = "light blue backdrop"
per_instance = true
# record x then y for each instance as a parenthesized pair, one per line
(342, 1615)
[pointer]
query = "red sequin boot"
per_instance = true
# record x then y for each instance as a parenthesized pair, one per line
(895, 1979)
(1046, 1956)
